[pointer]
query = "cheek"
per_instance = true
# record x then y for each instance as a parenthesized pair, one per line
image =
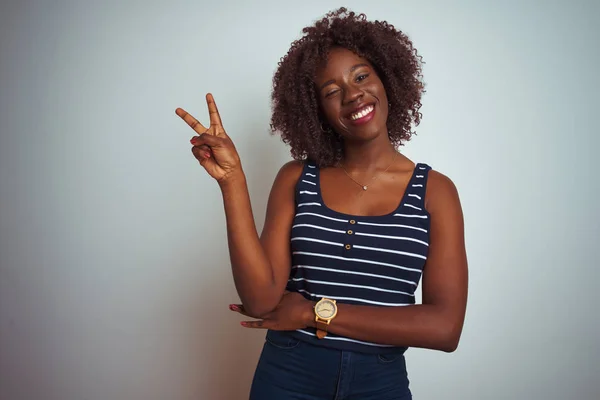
(329, 111)
(383, 100)
(385, 107)
(381, 93)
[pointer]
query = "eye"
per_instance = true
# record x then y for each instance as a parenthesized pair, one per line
(331, 93)
(362, 77)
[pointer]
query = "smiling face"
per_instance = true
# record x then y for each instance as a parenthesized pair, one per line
(352, 97)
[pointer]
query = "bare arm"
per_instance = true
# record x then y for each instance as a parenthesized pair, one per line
(261, 267)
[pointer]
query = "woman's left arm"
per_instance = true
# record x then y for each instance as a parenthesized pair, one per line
(437, 322)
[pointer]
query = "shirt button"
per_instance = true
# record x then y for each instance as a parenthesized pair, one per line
(348, 247)
(352, 221)
(350, 232)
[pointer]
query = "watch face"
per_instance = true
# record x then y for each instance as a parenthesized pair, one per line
(325, 309)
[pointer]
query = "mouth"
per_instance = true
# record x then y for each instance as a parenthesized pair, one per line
(362, 115)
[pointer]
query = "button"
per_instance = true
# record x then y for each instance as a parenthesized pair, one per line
(348, 247)
(352, 221)
(350, 232)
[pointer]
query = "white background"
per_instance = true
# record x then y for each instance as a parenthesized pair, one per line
(115, 280)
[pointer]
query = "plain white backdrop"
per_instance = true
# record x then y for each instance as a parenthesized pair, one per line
(114, 272)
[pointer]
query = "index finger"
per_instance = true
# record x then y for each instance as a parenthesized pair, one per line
(215, 118)
(191, 121)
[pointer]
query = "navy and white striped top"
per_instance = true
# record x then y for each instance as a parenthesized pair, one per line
(368, 260)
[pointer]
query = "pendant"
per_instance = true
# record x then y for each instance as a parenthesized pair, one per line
(364, 188)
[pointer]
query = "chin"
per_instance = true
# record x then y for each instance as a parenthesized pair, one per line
(364, 133)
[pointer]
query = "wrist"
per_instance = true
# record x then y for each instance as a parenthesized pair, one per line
(309, 314)
(235, 179)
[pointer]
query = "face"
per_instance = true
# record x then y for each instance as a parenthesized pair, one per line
(352, 97)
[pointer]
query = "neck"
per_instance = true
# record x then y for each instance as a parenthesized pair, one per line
(369, 156)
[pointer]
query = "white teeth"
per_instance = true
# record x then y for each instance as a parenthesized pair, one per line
(361, 113)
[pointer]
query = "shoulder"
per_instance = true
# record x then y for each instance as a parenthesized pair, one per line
(293, 167)
(289, 174)
(283, 190)
(441, 192)
(291, 170)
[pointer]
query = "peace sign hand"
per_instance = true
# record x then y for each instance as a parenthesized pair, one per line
(213, 148)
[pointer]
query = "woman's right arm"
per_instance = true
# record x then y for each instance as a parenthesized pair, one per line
(260, 266)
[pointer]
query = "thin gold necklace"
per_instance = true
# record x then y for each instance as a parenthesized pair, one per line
(365, 187)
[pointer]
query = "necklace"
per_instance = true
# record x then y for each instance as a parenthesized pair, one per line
(365, 187)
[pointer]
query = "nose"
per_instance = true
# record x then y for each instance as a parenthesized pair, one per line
(352, 94)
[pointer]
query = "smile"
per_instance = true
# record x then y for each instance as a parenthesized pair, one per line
(363, 112)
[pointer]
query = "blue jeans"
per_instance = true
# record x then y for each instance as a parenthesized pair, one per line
(289, 368)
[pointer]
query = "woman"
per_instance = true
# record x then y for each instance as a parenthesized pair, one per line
(351, 226)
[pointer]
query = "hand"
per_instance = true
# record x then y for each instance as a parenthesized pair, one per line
(293, 312)
(213, 148)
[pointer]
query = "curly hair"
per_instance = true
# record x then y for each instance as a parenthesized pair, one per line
(295, 106)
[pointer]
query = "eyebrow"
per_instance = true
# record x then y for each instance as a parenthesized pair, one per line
(329, 82)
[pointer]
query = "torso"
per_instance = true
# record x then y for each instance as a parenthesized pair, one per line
(359, 247)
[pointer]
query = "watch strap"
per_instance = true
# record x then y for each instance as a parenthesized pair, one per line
(321, 328)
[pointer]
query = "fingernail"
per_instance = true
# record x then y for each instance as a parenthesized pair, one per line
(207, 155)
(244, 323)
(233, 307)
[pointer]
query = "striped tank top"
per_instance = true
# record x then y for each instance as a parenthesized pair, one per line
(363, 260)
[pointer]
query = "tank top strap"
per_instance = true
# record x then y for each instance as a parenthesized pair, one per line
(417, 186)
(308, 188)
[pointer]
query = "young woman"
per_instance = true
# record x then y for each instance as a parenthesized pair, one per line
(352, 225)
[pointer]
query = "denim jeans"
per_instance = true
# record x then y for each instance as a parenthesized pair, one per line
(290, 368)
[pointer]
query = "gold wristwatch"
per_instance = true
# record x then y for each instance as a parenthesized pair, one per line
(325, 311)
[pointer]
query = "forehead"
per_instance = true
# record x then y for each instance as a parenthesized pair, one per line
(339, 62)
